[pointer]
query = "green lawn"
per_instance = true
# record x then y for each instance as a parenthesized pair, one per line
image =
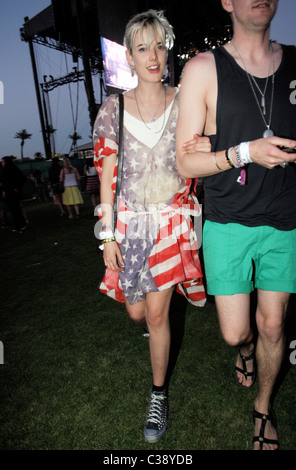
(76, 372)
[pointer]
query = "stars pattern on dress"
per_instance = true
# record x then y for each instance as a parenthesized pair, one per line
(148, 172)
(134, 146)
(136, 277)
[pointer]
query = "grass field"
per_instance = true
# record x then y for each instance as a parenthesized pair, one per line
(76, 372)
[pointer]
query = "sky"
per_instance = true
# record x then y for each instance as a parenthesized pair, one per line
(68, 104)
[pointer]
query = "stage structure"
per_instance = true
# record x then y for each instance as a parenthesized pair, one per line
(70, 26)
(76, 27)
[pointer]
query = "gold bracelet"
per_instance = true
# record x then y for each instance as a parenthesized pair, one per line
(215, 161)
(228, 159)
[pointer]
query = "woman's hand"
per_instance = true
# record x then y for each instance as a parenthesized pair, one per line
(197, 144)
(112, 256)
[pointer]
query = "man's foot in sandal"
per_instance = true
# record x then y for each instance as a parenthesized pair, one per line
(246, 368)
(265, 437)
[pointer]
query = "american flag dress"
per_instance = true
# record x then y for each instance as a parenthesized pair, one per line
(154, 225)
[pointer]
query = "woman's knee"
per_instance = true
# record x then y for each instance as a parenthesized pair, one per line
(137, 315)
(155, 317)
(235, 338)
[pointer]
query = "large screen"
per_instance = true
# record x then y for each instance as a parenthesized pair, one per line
(117, 70)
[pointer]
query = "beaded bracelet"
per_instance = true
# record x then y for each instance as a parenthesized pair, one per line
(238, 156)
(230, 157)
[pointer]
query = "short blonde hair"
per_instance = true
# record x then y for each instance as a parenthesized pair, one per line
(155, 22)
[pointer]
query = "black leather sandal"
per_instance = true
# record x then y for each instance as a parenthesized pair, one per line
(261, 439)
(244, 370)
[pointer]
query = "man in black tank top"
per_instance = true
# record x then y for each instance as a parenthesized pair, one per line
(242, 96)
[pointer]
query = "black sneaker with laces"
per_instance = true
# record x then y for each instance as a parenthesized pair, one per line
(157, 418)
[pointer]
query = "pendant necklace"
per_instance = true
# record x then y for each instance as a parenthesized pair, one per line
(268, 132)
(152, 117)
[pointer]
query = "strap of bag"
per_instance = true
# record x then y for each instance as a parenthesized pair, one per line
(119, 157)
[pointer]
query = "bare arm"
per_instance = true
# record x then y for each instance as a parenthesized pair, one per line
(197, 114)
(106, 190)
(77, 174)
(193, 109)
(111, 251)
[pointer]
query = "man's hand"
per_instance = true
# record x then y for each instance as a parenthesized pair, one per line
(267, 152)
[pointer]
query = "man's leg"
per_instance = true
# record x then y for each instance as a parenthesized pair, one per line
(270, 316)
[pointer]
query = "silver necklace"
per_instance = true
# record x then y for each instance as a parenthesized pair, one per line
(139, 111)
(152, 117)
(268, 132)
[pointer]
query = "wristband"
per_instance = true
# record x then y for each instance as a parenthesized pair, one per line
(236, 165)
(244, 149)
(106, 234)
(238, 156)
(107, 240)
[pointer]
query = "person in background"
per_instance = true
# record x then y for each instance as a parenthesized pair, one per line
(92, 182)
(71, 196)
(54, 181)
(41, 185)
(12, 180)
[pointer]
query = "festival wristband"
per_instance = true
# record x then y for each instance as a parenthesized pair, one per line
(106, 234)
(244, 150)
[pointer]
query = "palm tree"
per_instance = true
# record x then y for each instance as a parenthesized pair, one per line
(75, 137)
(23, 135)
(38, 156)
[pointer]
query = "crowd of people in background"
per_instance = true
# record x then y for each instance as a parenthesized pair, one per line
(61, 184)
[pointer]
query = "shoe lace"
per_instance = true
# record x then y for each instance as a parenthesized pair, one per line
(157, 409)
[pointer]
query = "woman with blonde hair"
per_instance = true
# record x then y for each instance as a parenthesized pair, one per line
(71, 196)
(153, 248)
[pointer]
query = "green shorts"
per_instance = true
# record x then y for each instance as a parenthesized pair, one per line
(238, 258)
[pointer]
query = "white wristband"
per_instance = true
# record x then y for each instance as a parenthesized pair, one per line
(244, 150)
(103, 235)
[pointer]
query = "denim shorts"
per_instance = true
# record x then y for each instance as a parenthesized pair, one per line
(240, 258)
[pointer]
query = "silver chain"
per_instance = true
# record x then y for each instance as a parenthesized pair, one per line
(156, 132)
(152, 117)
(250, 77)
